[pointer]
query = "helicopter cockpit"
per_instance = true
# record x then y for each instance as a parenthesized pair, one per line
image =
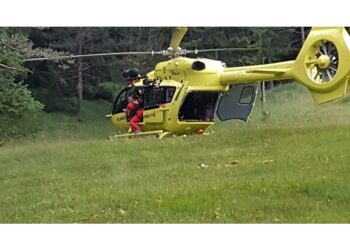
(152, 97)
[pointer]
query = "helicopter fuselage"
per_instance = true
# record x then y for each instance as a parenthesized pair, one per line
(183, 99)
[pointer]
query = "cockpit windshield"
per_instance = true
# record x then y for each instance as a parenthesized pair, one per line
(151, 96)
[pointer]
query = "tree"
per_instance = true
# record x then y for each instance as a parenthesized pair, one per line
(16, 101)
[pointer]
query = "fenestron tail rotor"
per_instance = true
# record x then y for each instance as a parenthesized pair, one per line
(323, 63)
(323, 66)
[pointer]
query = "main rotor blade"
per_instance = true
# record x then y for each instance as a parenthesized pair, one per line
(244, 49)
(164, 52)
(94, 55)
(178, 34)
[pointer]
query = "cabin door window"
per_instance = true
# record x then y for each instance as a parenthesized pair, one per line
(237, 103)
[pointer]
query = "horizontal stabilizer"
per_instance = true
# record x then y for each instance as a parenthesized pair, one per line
(268, 71)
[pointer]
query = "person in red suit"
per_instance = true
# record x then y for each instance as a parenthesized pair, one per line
(130, 108)
(136, 115)
(134, 108)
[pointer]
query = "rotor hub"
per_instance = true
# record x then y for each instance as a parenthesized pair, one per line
(323, 61)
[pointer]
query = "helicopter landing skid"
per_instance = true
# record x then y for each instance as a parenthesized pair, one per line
(160, 133)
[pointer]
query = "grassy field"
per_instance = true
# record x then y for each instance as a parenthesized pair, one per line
(289, 164)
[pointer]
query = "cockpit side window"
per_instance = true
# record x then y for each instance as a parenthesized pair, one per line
(120, 102)
(154, 96)
(122, 99)
(169, 93)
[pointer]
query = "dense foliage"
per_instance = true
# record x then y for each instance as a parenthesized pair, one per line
(54, 83)
(16, 102)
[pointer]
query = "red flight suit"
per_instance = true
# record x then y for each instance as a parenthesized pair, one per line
(129, 108)
(138, 117)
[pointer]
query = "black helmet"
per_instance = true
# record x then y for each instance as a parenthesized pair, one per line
(131, 74)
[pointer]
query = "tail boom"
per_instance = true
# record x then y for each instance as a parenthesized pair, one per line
(322, 66)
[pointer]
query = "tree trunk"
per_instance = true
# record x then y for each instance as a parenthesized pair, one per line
(262, 90)
(80, 70)
(80, 85)
(302, 35)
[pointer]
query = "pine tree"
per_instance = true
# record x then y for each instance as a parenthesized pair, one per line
(16, 101)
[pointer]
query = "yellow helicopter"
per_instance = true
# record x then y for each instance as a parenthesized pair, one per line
(182, 95)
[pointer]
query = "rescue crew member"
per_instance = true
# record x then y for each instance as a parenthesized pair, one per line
(130, 108)
(137, 114)
(134, 108)
(131, 76)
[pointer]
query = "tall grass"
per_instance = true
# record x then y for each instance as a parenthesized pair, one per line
(288, 164)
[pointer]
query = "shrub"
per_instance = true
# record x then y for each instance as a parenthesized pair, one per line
(106, 91)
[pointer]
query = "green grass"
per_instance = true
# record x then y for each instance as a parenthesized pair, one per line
(289, 164)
